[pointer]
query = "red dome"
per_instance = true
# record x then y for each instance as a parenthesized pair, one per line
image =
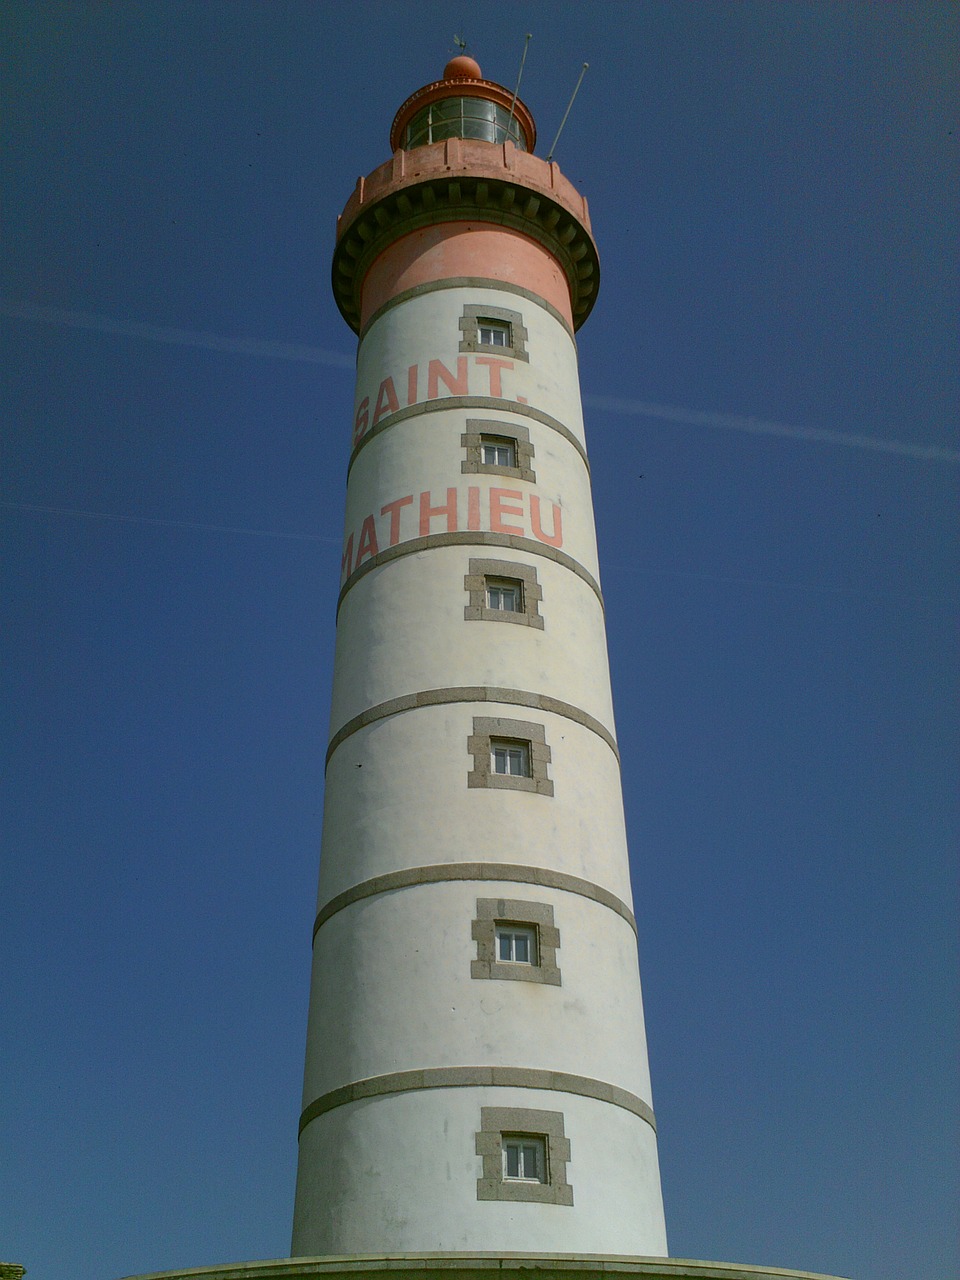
(462, 68)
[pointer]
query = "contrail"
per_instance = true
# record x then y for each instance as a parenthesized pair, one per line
(762, 427)
(606, 404)
(780, 584)
(178, 337)
(173, 524)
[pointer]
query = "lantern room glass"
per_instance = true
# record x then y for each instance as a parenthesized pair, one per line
(463, 118)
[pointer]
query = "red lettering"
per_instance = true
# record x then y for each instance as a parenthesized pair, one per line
(437, 371)
(427, 512)
(346, 563)
(387, 401)
(494, 365)
(362, 418)
(473, 507)
(412, 384)
(393, 509)
(556, 538)
(498, 511)
(368, 540)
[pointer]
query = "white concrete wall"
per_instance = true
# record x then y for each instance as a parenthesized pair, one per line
(425, 328)
(397, 796)
(398, 1174)
(423, 454)
(423, 933)
(400, 649)
(392, 988)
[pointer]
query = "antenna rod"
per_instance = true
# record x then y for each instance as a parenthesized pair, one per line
(523, 58)
(583, 72)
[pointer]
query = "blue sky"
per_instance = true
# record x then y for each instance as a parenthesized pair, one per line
(771, 394)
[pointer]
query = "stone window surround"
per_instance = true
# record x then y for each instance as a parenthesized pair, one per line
(495, 1122)
(470, 331)
(475, 584)
(514, 911)
(478, 745)
(472, 440)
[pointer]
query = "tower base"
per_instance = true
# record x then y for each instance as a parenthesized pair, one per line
(484, 1266)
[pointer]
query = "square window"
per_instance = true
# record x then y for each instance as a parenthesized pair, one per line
(505, 594)
(498, 451)
(510, 759)
(516, 944)
(494, 333)
(524, 1157)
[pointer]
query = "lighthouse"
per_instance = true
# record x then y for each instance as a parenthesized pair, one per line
(476, 1091)
(476, 1067)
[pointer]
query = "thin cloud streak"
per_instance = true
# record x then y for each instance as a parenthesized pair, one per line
(761, 427)
(177, 337)
(305, 354)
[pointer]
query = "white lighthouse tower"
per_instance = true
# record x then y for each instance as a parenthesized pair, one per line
(476, 1094)
(476, 1072)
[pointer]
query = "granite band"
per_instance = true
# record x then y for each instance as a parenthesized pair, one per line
(471, 693)
(413, 546)
(467, 282)
(440, 873)
(478, 1078)
(502, 1265)
(495, 403)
